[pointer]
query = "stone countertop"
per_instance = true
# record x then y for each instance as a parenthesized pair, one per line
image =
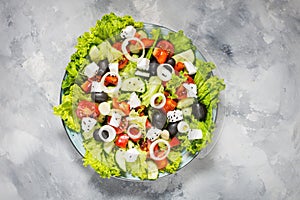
(255, 45)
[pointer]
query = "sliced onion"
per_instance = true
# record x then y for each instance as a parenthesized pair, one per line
(152, 155)
(163, 73)
(125, 52)
(114, 89)
(131, 135)
(154, 97)
(111, 133)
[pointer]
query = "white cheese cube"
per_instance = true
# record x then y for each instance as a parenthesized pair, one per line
(153, 133)
(143, 64)
(116, 118)
(190, 67)
(96, 87)
(87, 123)
(142, 74)
(131, 155)
(195, 134)
(114, 67)
(191, 89)
(134, 100)
(128, 32)
(175, 115)
(91, 70)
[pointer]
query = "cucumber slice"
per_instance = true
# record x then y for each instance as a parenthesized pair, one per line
(95, 54)
(133, 84)
(187, 55)
(187, 111)
(108, 146)
(152, 170)
(120, 159)
(142, 34)
(183, 103)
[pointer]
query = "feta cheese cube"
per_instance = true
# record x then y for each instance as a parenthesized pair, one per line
(134, 100)
(190, 67)
(91, 70)
(191, 89)
(116, 118)
(87, 123)
(114, 67)
(128, 32)
(143, 64)
(175, 115)
(96, 87)
(153, 133)
(131, 155)
(142, 74)
(194, 134)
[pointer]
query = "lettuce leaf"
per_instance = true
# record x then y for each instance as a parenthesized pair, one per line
(175, 159)
(104, 164)
(139, 167)
(155, 35)
(153, 87)
(174, 83)
(180, 41)
(129, 70)
(66, 110)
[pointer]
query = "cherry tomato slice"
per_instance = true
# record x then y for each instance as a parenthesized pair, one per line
(118, 46)
(111, 80)
(87, 109)
(166, 45)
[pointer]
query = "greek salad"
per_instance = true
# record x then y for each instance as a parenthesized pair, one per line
(139, 97)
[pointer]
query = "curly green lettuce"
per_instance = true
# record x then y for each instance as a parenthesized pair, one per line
(180, 41)
(174, 83)
(175, 159)
(69, 103)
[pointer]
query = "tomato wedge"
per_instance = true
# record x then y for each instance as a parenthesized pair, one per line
(122, 140)
(87, 109)
(189, 79)
(179, 66)
(118, 46)
(170, 105)
(181, 92)
(147, 42)
(161, 55)
(166, 45)
(86, 86)
(123, 106)
(174, 142)
(161, 163)
(123, 62)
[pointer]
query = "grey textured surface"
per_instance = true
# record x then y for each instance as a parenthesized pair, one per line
(256, 47)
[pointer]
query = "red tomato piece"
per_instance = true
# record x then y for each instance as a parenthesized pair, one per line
(170, 105)
(147, 42)
(123, 62)
(86, 86)
(111, 80)
(161, 163)
(122, 140)
(179, 66)
(118, 46)
(148, 124)
(161, 55)
(189, 79)
(166, 45)
(174, 142)
(181, 92)
(87, 109)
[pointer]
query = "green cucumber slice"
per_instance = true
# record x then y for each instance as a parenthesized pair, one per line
(152, 170)
(120, 159)
(133, 84)
(187, 55)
